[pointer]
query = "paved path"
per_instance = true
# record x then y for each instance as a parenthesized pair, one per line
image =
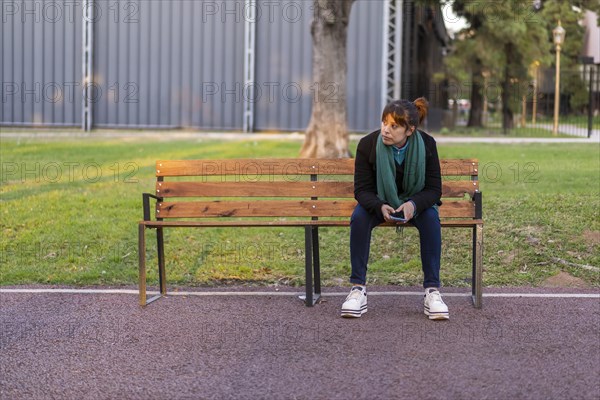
(103, 346)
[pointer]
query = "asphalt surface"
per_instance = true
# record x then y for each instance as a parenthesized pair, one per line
(91, 346)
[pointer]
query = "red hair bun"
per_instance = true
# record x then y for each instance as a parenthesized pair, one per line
(422, 106)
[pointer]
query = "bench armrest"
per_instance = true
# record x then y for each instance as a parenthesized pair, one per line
(146, 204)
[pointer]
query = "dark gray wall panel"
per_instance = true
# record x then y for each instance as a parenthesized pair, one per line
(41, 62)
(171, 63)
(364, 65)
(9, 85)
(72, 64)
(283, 66)
(125, 57)
(185, 35)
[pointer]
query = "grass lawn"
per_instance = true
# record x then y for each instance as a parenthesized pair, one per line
(69, 211)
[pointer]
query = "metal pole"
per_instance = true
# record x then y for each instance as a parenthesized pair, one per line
(385, 54)
(391, 72)
(556, 92)
(87, 63)
(590, 105)
(399, 48)
(535, 95)
(84, 105)
(249, 64)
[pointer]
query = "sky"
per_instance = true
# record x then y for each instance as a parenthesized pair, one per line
(453, 23)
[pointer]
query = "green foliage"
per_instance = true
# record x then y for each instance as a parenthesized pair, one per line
(504, 38)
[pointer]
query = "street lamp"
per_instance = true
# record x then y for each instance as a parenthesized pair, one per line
(558, 34)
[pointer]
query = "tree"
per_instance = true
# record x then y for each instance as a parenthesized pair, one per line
(327, 132)
(466, 57)
(517, 34)
(505, 37)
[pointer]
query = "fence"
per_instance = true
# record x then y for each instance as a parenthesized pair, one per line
(533, 102)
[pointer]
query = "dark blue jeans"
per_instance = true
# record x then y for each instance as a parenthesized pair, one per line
(430, 235)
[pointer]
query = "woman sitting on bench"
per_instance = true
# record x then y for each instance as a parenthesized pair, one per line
(397, 171)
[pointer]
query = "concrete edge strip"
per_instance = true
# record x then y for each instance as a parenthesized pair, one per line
(331, 294)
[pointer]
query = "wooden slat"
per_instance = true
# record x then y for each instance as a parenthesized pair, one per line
(448, 223)
(255, 189)
(245, 223)
(285, 208)
(459, 167)
(452, 188)
(292, 168)
(262, 208)
(250, 169)
(287, 189)
(460, 223)
(457, 209)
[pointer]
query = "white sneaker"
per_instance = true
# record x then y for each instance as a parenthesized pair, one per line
(435, 307)
(355, 304)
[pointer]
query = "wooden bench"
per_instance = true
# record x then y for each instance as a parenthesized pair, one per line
(309, 193)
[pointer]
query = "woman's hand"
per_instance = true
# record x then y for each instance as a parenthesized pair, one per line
(386, 210)
(409, 210)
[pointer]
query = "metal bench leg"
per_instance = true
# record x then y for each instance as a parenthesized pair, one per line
(316, 261)
(142, 262)
(477, 277)
(308, 266)
(160, 245)
(142, 266)
(311, 297)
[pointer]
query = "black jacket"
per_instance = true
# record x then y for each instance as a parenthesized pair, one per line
(365, 176)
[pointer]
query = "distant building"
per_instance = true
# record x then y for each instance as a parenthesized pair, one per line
(589, 60)
(591, 40)
(591, 49)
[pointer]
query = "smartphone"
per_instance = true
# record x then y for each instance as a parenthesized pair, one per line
(398, 216)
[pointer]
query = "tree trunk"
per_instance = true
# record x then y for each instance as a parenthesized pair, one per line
(507, 114)
(476, 113)
(327, 131)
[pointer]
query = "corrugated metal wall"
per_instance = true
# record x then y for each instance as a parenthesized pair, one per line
(178, 63)
(169, 64)
(364, 65)
(283, 66)
(41, 62)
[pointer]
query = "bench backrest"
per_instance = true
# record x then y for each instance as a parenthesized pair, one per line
(287, 188)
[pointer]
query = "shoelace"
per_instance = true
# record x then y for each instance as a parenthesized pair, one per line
(355, 294)
(436, 296)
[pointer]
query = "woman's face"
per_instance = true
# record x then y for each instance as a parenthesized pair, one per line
(394, 134)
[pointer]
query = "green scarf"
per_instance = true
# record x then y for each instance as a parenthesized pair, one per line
(414, 170)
